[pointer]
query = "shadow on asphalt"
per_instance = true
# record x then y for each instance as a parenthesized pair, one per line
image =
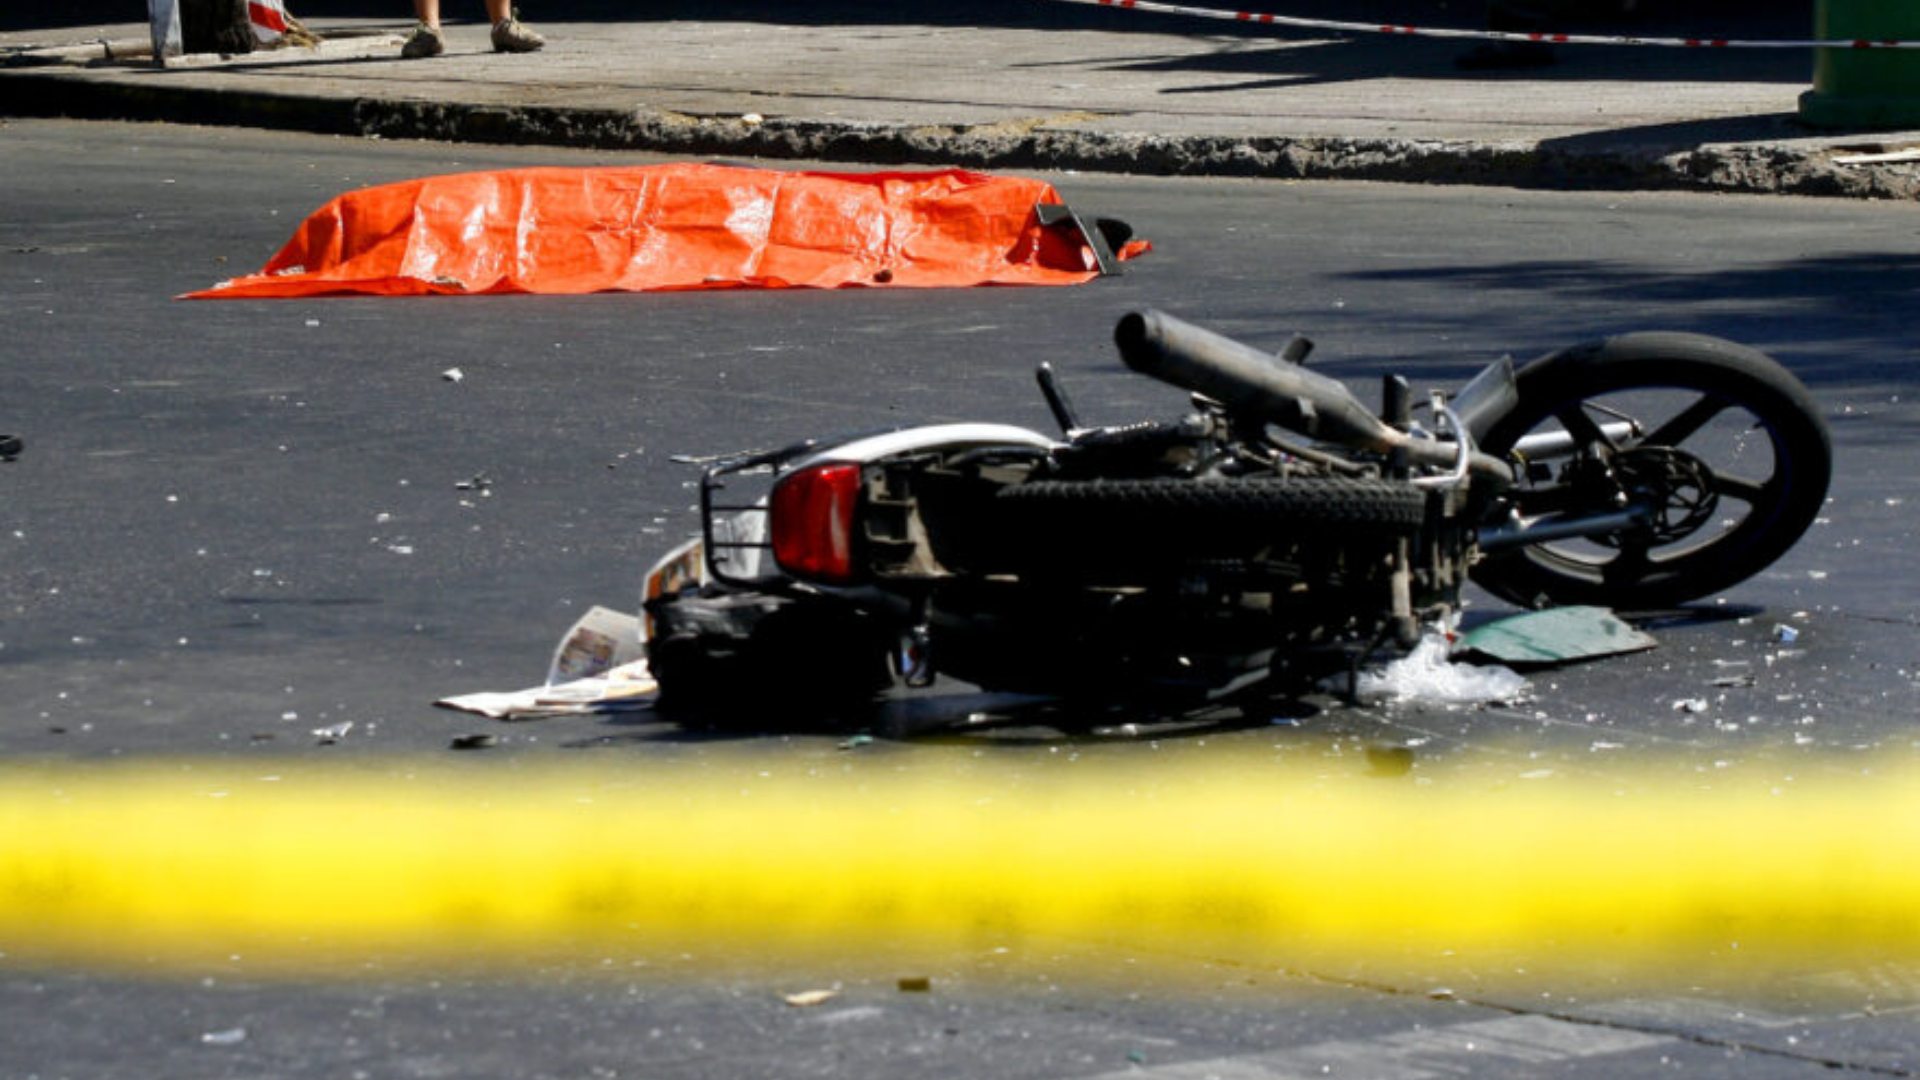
(1720, 18)
(1271, 57)
(954, 714)
(1302, 58)
(1667, 138)
(1829, 312)
(956, 717)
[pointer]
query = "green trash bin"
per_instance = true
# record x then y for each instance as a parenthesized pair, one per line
(1864, 88)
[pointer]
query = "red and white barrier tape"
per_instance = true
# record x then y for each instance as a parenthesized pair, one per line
(1264, 19)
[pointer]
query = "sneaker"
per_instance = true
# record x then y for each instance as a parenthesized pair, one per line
(426, 41)
(512, 35)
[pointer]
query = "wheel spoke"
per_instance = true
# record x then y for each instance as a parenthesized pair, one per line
(1585, 432)
(1626, 568)
(1645, 425)
(1687, 421)
(1747, 491)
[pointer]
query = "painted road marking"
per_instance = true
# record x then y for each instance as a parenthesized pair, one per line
(1417, 1054)
(1617, 1027)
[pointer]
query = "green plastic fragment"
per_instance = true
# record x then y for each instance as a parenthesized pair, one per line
(1556, 636)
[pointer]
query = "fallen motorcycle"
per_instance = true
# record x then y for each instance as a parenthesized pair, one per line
(1280, 532)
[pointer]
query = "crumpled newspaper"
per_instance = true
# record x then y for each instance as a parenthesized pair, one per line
(629, 686)
(599, 666)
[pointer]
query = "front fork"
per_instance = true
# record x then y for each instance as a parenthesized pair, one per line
(1443, 495)
(1401, 621)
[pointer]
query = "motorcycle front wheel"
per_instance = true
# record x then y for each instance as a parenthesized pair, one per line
(1723, 449)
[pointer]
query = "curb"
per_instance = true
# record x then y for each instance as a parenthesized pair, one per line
(1765, 167)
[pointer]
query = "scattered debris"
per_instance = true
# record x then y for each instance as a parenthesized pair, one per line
(1427, 675)
(229, 1037)
(1690, 705)
(332, 733)
(1389, 760)
(453, 374)
(854, 742)
(481, 483)
(1784, 634)
(806, 999)
(1556, 636)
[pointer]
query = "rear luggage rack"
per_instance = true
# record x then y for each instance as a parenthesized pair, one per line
(739, 524)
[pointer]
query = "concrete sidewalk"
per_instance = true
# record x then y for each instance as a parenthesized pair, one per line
(1103, 92)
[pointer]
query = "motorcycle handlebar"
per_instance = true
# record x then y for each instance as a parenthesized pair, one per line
(1250, 382)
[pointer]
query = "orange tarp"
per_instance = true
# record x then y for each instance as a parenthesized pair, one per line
(633, 229)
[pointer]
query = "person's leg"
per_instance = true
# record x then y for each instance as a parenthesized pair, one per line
(426, 40)
(509, 33)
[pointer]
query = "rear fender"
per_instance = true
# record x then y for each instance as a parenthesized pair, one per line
(734, 493)
(919, 440)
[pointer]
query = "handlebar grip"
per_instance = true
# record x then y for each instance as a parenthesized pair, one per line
(1248, 381)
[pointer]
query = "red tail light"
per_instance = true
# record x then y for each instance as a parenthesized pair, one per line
(813, 522)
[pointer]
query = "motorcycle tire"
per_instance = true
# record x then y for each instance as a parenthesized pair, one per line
(1711, 393)
(1128, 510)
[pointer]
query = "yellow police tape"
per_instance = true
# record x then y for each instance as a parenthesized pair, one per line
(1273, 861)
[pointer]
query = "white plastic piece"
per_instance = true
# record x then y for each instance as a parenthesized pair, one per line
(1427, 676)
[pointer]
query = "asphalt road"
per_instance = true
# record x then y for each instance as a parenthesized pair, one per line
(236, 522)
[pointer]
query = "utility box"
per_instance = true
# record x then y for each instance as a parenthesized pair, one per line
(1864, 87)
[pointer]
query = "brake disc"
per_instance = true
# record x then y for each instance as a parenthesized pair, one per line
(1675, 485)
